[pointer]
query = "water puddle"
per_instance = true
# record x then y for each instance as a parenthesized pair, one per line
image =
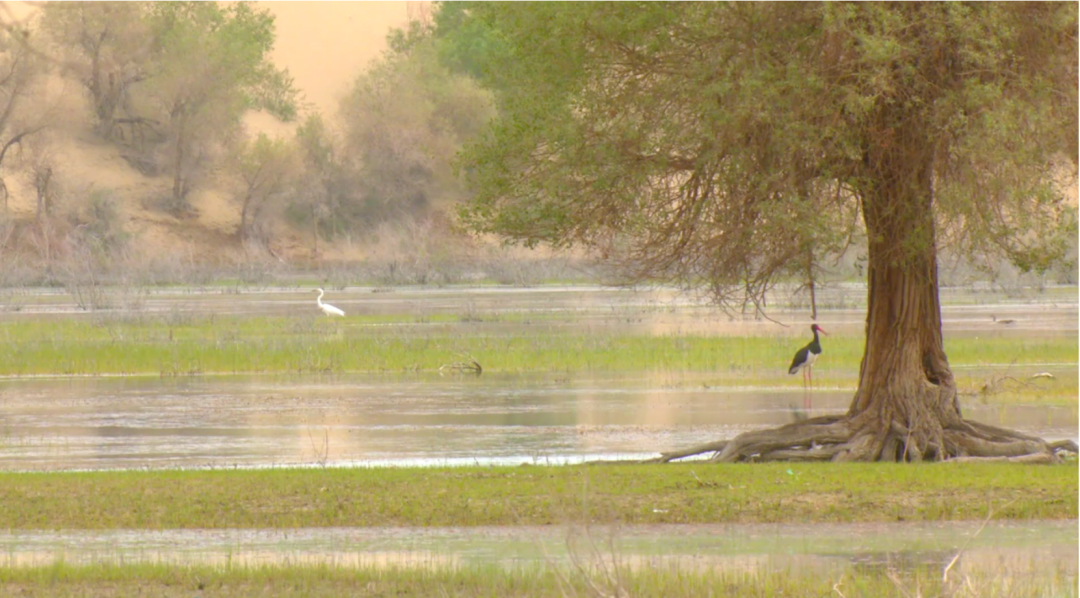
(1020, 548)
(260, 421)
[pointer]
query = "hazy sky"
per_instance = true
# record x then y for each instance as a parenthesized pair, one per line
(326, 44)
(323, 44)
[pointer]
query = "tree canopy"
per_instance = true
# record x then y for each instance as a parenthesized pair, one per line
(720, 144)
(187, 71)
(402, 121)
(713, 142)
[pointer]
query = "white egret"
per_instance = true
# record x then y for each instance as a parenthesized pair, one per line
(327, 309)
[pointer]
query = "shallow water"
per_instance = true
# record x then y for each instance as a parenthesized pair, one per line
(258, 421)
(1016, 549)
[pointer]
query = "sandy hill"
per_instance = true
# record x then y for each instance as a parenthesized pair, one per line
(324, 46)
(86, 167)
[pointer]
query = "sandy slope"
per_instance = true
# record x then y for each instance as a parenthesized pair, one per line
(324, 45)
(83, 166)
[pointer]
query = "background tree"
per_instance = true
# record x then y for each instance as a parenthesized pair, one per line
(402, 123)
(213, 66)
(21, 72)
(712, 143)
(107, 47)
(323, 184)
(267, 167)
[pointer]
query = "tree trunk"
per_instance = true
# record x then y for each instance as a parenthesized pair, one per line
(907, 395)
(42, 178)
(314, 233)
(179, 192)
(244, 216)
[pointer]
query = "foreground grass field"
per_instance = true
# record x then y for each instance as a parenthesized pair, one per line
(528, 495)
(592, 580)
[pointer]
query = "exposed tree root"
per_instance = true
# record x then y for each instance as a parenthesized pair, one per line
(470, 366)
(838, 438)
(1033, 458)
(700, 449)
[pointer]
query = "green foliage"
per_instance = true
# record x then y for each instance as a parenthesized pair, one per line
(714, 142)
(213, 65)
(103, 231)
(403, 120)
(323, 194)
(258, 156)
(186, 71)
(107, 47)
(268, 167)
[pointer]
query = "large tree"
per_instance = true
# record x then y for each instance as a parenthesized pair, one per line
(402, 122)
(213, 65)
(267, 167)
(107, 46)
(184, 71)
(714, 143)
(24, 111)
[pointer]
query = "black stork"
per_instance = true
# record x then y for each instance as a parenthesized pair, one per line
(805, 358)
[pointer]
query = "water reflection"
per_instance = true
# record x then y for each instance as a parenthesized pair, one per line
(258, 421)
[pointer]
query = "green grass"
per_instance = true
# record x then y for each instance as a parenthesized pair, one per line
(206, 345)
(473, 496)
(316, 581)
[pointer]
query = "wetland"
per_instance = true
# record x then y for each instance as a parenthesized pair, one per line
(195, 429)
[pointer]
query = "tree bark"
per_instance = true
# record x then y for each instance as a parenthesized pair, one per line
(179, 193)
(904, 380)
(244, 217)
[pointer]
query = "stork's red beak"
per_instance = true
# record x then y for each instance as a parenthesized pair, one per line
(822, 330)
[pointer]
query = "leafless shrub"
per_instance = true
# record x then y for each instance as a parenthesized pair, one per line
(419, 251)
(178, 315)
(254, 272)
(337, 275)
(321, 450)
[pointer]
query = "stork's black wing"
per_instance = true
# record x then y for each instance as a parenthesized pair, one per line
(800, 359)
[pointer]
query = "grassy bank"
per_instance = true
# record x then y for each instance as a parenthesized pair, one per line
(306, 345)
(472, 496)
(166, 581)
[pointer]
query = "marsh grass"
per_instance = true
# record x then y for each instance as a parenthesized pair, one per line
(62, 580)
(529, 495)
(170, 346)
